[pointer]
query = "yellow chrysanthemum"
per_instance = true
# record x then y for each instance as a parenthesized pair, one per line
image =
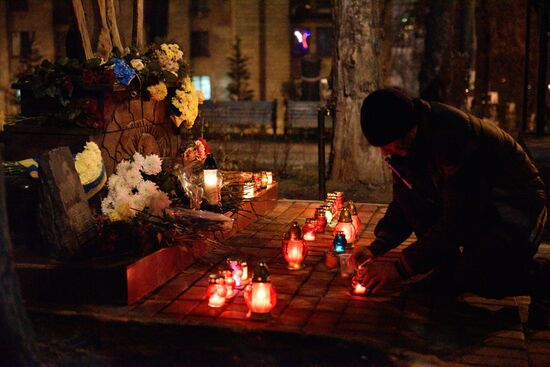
(158, 92)
(186, 101)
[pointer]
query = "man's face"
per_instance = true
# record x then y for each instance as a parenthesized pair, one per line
(400, 147)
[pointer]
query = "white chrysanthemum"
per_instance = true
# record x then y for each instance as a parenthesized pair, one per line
(123, 167)
(122, 208)
(138, 160)
(147, 188)
(152, 165)
(139, 201)
(133, 177)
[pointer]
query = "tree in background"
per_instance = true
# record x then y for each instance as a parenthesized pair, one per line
(356, 73)
(239, 74)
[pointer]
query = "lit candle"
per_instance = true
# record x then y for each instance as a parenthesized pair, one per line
(320, 219)
(328, 213)
(269, 177)
(216, 292)
(309, 229)
(359, 289)
(244, 266)
(264, 180)
(345, 225)
(294, 247)
(248, 190)
(227, 274)
(211, 181)
(260, 295)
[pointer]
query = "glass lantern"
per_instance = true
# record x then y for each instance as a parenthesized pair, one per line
(248, 190)
(320, 219)
(339, 242)
(216, 291)
(354, 217)
(237, 269)
(329, 214)
(357, 288)
(264, 180)
(294, 247)
(212, 181)
(339, 200)
(345, 225)
(309, 229)
(227, 274)
(260, 295)
(269, 177)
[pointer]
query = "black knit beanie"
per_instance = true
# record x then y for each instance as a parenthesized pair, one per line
(386, 115)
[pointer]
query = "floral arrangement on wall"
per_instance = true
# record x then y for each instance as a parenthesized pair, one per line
(160, 73)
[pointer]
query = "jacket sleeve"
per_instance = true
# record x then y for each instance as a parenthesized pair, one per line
(391, 231)
(463, 194)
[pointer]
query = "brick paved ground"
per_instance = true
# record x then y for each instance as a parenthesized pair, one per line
(315, 301)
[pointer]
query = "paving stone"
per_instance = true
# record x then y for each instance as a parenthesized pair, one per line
(194, 294)
(149, 307)
(180, 307)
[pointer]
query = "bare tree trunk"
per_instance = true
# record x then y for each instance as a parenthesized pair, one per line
(356, 74)
(17, 345)
(439, 23)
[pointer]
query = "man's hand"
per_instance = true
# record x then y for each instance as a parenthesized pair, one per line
(377, 274)
(360, 255)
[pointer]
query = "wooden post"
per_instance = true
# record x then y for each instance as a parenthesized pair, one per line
(137, 30)
(83, 28)
(113, 25)
(65, 217)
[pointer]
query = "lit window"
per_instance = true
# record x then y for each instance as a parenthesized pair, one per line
(300, 41)
(202, 83)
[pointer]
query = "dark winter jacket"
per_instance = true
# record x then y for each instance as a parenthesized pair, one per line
(463, 177)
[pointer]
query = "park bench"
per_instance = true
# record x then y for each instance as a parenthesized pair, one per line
(239, 116)
(302, 116)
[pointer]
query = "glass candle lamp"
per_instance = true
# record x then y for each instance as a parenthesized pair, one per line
(216, 291)
(260, 295)
(354, 217)
(329, 214)
(294, 247)
(244, 266)
(227, 274)
(269, 177)
(211, 181)
(235, 265)
(264, 180)
(345, 224)
(339, 242)
(339, 200)
(248, 190)
(357, 287)
(257, 177)
(309, 229)
(320, 219)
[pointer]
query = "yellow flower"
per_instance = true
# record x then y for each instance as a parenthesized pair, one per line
(158, 92)
(186, 100)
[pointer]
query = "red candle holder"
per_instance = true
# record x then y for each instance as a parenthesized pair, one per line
(216, 291)
(357, 288)
(309, 229)
(237, 269)
(339, 200)
(260, 295)
(320, 219)
(345, 225)
(227, 274)
(331, 260)
(294, 247)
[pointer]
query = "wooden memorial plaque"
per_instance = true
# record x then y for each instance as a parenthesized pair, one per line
(65, 218)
